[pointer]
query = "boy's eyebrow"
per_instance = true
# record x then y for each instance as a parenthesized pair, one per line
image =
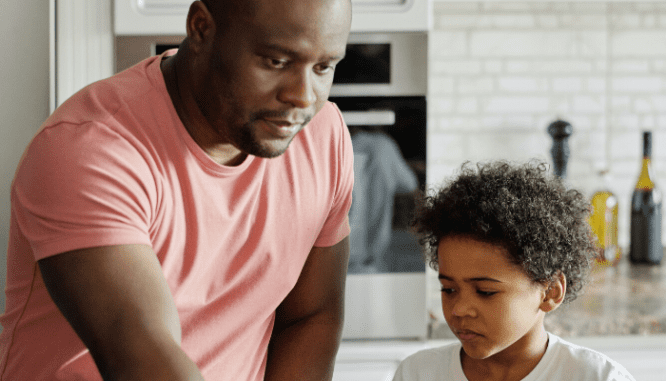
(478, 279)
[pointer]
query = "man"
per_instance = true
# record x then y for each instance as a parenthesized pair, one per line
(186, 219)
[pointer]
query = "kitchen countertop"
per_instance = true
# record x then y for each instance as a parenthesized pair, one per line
(626, 299)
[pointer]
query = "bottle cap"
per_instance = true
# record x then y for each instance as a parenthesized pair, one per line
(647, 143)
(560, 129)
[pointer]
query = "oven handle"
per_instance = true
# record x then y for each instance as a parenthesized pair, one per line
(369, 118)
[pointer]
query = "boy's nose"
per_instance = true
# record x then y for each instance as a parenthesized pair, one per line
(462, 308)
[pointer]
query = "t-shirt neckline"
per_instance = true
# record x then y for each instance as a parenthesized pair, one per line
(534, 375)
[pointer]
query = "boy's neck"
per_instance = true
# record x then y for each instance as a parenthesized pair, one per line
(512, 364)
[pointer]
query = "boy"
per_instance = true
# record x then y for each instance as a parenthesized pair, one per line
(511, 244)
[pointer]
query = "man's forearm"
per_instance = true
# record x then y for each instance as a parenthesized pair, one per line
(167, 363)
(304, 351)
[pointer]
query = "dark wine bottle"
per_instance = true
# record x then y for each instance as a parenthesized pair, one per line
(645, 245)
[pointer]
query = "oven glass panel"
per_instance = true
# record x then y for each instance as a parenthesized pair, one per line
(389, 170)
(365, 64)
(161, 48)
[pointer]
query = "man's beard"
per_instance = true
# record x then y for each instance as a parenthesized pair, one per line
(247, 141)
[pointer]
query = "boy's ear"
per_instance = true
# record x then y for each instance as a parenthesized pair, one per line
(554, 294)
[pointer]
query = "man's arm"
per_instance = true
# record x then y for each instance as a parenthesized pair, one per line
(118, 302)
(308, 323)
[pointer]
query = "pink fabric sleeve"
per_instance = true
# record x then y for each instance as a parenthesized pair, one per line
(337, 226)
(82, 186)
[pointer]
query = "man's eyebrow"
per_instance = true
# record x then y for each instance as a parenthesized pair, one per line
(280, 49)
(338, 57)
(477, 279)
(293, 53)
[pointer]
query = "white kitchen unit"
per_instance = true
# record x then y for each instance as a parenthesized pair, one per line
(167, 17)
(373, 360)
(384, 306)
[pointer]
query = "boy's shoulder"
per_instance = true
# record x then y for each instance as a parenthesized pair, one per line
(567, 361)
(438, 363)
(447, 351)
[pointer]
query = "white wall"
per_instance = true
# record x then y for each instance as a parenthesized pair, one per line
(24, 95)
(501, 72)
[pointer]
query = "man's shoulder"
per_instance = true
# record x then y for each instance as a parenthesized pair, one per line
(329, 114)
(325, 132)
(105, 97)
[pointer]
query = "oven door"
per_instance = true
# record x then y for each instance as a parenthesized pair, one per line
(380, 88)
(386, 286)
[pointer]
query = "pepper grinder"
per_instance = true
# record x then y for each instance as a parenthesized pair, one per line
(560, 131)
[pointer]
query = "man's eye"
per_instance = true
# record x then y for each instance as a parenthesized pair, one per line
(323, 69)
(276, 63)
(447, 291)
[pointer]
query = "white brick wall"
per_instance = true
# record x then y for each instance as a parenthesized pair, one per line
(500, 72)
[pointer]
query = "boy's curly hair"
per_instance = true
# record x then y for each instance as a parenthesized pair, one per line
(542, 224)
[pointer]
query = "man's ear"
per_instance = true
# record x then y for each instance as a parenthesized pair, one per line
(200, 26)
(554, 293)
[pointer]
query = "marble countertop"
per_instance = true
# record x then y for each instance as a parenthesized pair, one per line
(626, 299)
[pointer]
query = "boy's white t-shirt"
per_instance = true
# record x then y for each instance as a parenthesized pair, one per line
(562, 361)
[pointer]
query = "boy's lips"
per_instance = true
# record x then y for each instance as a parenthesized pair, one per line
(466, 335)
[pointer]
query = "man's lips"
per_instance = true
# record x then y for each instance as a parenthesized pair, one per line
(283, 128)
(283, 123)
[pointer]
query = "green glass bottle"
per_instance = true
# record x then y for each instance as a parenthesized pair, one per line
(645, 245)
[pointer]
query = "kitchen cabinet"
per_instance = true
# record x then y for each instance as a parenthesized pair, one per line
(167, 17)
(370, 360)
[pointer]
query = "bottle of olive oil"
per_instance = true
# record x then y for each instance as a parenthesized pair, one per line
(645, 245)
(603, 222)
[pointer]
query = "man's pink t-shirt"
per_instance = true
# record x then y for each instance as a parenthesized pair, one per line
(114, 165)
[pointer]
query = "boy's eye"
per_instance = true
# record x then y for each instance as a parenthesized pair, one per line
(447, 290)
(486, 293)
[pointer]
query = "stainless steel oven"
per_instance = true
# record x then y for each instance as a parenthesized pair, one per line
(380, 87)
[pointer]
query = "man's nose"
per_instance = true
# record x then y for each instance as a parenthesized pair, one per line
(299, 90)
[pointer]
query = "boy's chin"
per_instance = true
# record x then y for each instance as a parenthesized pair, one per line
(476, 352)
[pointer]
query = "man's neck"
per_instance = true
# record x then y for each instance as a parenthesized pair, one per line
(193, 120)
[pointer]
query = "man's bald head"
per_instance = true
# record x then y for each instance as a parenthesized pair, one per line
(224, 10)
(253, 67)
